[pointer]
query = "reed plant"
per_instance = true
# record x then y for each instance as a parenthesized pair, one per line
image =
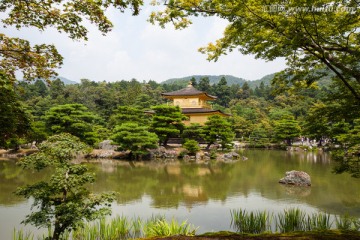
(21, 235)
(291, 220)
(318, 222)
(244, 222)
(347, 223)
(161, 227)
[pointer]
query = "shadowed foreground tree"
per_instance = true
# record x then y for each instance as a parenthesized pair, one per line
(40, 61)
(14, 121)
(348, 159)
(310, 35)
(62, 201)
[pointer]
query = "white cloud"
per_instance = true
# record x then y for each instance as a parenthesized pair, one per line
(137, 49)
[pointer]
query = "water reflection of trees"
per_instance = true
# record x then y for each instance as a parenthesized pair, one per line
(174, 183)
(12, 177)
(168, 185)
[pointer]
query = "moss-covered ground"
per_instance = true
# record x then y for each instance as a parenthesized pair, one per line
(328, 235)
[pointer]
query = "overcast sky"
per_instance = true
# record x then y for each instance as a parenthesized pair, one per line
(137, 49)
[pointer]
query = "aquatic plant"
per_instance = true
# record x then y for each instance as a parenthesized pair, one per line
(347, 223)
(319, 222)
(21, 235)
(244, 222)
(161, 227)
(291, 220)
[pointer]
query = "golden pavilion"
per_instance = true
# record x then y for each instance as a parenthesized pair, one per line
(194, 104)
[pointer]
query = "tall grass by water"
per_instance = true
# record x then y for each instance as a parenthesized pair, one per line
(253, 222)
(290, 220)
(242, 221)
(122, 227)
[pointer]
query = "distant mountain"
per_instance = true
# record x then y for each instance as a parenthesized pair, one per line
(212, 78)
(66, 81)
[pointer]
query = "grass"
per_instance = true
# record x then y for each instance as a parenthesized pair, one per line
(290, 220)
(262, 224)
(163, 228)
(21, 235)
(244, 222)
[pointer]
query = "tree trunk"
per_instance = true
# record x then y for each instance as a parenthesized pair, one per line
(57, 232)
(208, 146)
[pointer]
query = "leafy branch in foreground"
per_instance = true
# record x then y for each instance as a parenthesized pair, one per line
(39, 61)
(62, 201)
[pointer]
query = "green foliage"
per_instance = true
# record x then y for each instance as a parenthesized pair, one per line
(318, 222)
(309, 40)
(218, 129)
(348, 159)
(74, 119)
(347, 223)
(161, 228)
(191, 146)
(292, 220)
(193, 131)
(62, 201)
(137, 139)
(167, 122)
(286, 129)
(127, 114)
(65, 16)
(14, 120)
(244, 222)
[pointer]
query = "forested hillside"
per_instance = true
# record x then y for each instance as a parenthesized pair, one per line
(94, 111)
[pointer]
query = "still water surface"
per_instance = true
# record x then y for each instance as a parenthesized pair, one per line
(203, 194)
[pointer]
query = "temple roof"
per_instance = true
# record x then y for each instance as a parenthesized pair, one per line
(188, 91)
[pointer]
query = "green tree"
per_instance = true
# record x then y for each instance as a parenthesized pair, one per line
(218, 129)
(193, 82)
(192, 146)
(137, 139)
(307, 39)
(74, 119)
(348, 159)
(222, 91)
(39, 61)
(15, 122)
(193, 131)
(167, 122)
(242, 127)
(125, 114)
(286, 129)
(204, 84)
(317, 124)
(62, 201)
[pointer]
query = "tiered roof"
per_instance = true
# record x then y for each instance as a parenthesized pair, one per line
(188, 91)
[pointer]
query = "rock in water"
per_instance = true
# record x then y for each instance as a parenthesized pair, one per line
(297, 178)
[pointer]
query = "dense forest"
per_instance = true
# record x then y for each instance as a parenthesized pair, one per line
(266, 113)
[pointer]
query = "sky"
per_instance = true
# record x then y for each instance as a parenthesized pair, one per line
(137, 49)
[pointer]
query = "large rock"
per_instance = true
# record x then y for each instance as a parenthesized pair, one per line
(297, 178)
(106, 145)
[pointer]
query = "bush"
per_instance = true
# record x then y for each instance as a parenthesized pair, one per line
(191, 146)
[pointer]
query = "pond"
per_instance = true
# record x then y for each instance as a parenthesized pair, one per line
(203, 193)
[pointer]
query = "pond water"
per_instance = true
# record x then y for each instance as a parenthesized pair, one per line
(203, 194)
